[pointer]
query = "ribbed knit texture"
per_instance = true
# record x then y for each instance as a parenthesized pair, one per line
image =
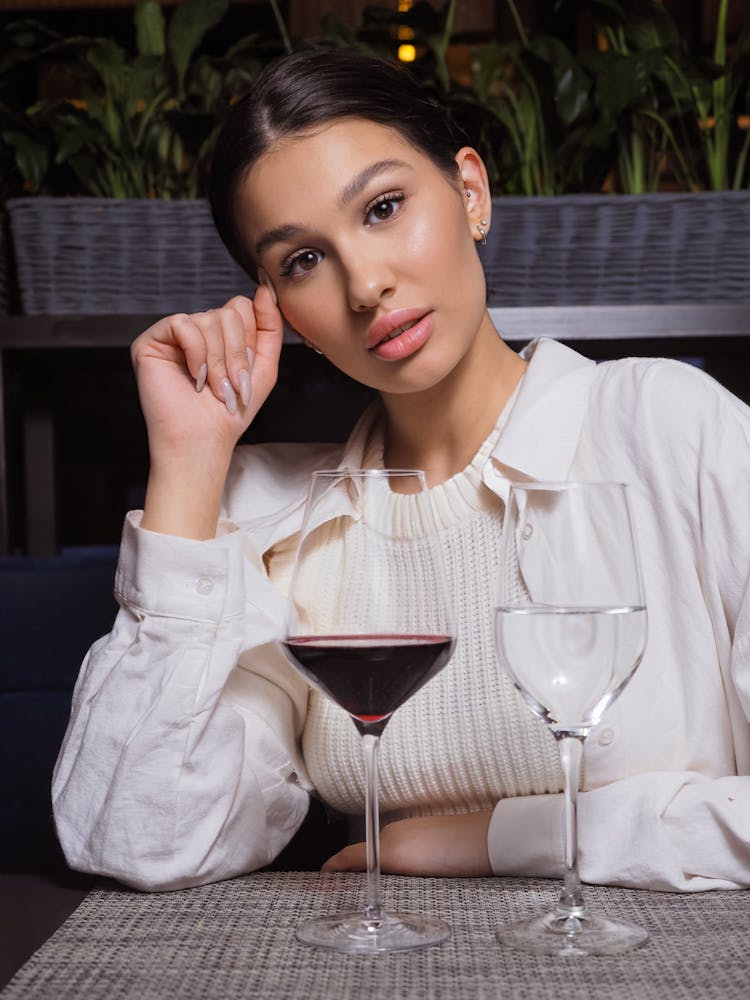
(466, 739)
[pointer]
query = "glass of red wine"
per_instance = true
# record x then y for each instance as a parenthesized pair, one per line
(369, 625)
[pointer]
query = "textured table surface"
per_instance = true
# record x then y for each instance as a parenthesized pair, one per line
(236, 939)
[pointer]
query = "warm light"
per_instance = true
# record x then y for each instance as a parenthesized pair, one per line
(406, 53)
(743, 122)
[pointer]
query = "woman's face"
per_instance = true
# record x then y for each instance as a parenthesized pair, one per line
(370, 249)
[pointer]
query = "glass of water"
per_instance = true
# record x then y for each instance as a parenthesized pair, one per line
(570, 630)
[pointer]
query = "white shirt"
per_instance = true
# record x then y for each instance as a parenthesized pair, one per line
(181, 764)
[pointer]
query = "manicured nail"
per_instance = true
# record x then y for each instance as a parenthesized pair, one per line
(265, 280)
(243, 378)
(250, 357)
(202, 376)
(229, 395)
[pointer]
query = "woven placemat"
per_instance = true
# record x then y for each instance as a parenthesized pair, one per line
(236, 939)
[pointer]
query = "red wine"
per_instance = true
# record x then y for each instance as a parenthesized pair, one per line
(369, 675)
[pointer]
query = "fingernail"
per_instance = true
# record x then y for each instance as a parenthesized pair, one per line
(265, 280)
(202, 376)
(250, 357)
(243, 378)
(229, 395)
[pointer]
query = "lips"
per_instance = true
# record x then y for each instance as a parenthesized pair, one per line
(402, 334)
(393, 324)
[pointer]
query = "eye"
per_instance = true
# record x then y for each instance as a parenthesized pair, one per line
(384, 207)
(300, 262)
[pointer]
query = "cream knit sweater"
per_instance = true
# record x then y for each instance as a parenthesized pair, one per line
(466, 739)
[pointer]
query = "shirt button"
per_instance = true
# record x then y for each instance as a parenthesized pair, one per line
(204, 585)
(605, 737)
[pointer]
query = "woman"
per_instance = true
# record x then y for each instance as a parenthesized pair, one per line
(193, 746)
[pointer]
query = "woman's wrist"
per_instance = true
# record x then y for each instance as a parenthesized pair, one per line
(185, 498)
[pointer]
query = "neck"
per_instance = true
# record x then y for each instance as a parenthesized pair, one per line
(441, 429)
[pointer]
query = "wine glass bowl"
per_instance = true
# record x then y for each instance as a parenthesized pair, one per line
(369, 625)
(579, 659)
(570, 630)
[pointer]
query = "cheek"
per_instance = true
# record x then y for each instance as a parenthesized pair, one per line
(312, 309)
(441, 241)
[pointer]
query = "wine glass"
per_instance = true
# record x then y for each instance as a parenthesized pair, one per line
(570, 629)
(369, 625)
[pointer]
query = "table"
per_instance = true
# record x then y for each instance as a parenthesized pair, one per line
(235, 939)
(29, 346)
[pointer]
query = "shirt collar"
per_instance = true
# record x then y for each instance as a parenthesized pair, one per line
(540, 438)
(538, 441)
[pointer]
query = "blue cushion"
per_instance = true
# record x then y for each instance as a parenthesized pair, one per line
(51, 610)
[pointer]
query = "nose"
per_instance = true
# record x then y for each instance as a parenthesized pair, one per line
(369, 281)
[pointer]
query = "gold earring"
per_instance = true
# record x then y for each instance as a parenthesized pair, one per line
(483, 230)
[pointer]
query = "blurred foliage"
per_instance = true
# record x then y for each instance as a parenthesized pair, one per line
(127, 124)
(636, 112)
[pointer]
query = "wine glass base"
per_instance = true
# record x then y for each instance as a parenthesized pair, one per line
(558, 934)
(356, 933)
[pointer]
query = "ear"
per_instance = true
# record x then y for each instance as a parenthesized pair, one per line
(476, 187)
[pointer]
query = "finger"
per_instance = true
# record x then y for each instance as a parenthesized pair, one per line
(270, 325)
(237, 356)
(243, 308)
(214, 325)
(176, 338)
(351, 859)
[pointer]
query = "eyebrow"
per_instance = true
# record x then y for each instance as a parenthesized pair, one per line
(360, 181)
(354, 187)
(277, 235)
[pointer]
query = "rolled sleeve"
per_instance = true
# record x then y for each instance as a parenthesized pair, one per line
(525, 836)
(173, 577)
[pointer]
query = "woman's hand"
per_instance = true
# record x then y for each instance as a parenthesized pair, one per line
(426, 845)
(207, 351)
(201, 380)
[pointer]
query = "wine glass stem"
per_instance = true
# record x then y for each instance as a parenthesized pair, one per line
(571, 752)
(371, 744)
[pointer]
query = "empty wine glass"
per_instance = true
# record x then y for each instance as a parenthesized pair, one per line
(570, 630)
(369, 625)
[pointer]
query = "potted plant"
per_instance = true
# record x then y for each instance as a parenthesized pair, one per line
(131, 140)
(640, 116)
(595, 157)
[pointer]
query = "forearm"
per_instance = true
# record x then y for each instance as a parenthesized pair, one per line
(183, 495)
(454, 845)
(170, 773)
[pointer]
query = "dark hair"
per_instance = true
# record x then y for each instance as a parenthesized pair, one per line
(313, 87)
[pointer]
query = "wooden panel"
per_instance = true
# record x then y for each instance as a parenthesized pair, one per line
(34, 5)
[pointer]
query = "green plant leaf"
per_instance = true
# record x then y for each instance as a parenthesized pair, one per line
(491, 64)
(109, 61)
(622, 82)
(572, 85)
(655, 30)
(141, 84)
(187, 26)
(73, 140)
(149, 28)
(31, 156)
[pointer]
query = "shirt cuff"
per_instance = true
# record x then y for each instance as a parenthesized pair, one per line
(175, 577)
(525, 836)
